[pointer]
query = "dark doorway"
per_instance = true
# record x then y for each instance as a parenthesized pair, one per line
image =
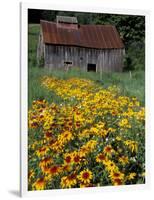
(91, 67)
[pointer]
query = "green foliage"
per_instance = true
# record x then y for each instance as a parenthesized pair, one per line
(41, 62)
(33, 36)
(83, 18)
(135, 57)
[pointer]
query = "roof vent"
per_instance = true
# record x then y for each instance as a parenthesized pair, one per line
(67, 22)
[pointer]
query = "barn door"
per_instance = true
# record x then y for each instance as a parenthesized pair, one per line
(91, 67)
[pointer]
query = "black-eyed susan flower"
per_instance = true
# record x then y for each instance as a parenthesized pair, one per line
(39, 184)
(66, 167)
(82, 185)
(110, 166)
(87, 147)
(55, 170)
(85, 176)
(48, 122)
(42, 151)
(116, 174)
(123, 160)
(46, 170)
(63, 182)
(108, 150)
(48, 135)
(118, 138)
(67, 158)
(101, 158)
(131, 176)
(132, 145)
(65, 137)
(31, 174)
(69, 181)
(117, 181)
(76, 157)
(84, 134)
(124, 123)
(45, 162)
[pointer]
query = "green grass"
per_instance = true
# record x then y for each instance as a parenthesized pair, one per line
(134, 86)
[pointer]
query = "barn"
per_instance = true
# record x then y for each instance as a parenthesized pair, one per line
(65, 44)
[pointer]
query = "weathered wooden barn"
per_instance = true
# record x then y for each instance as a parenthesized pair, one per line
(65, 43)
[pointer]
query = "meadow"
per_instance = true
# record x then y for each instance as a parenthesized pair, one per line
(85, 130)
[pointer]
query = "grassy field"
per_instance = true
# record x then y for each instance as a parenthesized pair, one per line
(83, 130)
(134, 86)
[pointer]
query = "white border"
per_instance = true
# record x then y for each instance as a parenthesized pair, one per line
(91, 7)
(23, 99)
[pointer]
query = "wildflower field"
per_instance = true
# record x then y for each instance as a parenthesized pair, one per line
(84, 130)
(93, 137)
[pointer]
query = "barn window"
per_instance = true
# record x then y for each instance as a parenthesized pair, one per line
(91, 67)
(68, 63)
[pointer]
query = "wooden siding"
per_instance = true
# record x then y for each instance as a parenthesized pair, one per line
(55, 57)
(108, 60)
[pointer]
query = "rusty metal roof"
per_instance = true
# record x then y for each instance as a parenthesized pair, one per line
(90, 36)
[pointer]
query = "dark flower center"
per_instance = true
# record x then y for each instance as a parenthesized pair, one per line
(85, 175)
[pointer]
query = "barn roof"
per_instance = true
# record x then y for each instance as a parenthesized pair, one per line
(90, 36)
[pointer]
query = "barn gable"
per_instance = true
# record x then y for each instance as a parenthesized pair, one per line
(65, 42)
